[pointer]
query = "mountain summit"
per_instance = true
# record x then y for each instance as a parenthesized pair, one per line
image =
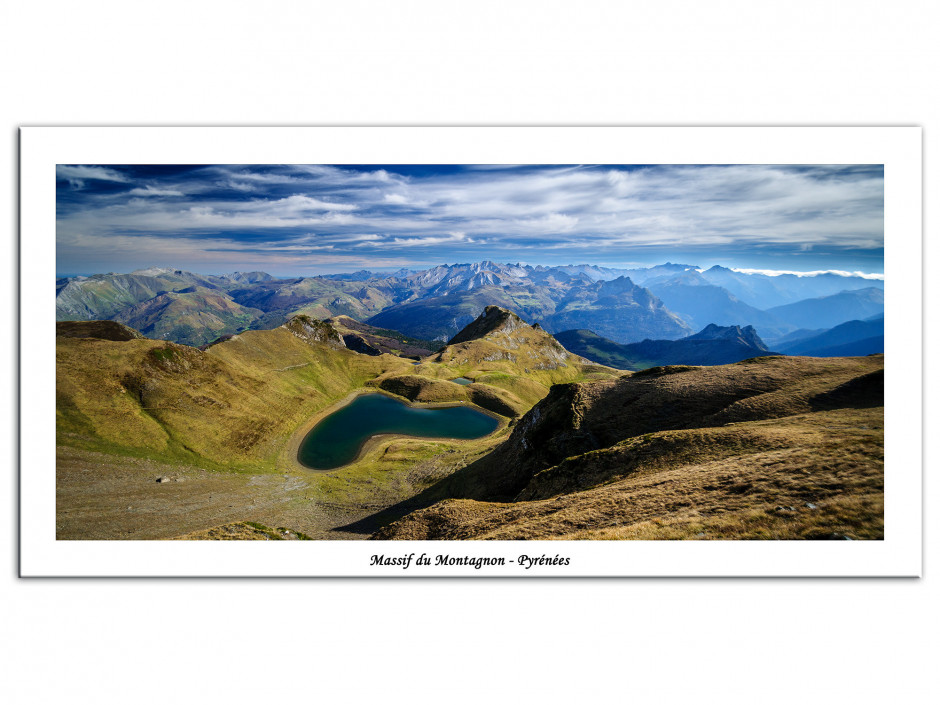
(493, 320)
(746, 336)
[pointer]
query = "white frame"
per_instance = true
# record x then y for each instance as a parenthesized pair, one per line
(898, 148)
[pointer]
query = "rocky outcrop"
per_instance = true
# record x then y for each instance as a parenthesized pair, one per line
(313, 330)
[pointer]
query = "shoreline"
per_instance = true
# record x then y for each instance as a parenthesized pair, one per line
(291, 451)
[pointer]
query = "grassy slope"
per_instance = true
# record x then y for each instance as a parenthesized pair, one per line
(795, 479)
(231, 406)
(772, 448)
(382, 339)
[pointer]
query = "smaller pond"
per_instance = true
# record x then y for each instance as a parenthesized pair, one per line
(462, 380)
(337, 439)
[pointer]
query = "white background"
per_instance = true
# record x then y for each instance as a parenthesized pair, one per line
(664, 63)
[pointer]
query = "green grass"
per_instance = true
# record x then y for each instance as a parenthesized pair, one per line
(232, 407)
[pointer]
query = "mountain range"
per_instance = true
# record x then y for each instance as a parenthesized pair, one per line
(665, 302)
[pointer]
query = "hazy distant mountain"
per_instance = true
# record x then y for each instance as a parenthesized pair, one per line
(647, 275)
(849, 338)
(699, 303)
(764, 291)
(591, 271)
(714, 345)
(828, 311)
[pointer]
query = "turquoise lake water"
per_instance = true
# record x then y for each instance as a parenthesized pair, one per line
(337, 439)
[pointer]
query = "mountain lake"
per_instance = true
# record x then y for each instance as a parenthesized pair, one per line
(336, 440)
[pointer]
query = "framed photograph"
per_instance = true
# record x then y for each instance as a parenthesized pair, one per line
(481, 351)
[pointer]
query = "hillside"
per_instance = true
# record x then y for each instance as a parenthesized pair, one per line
(190, 316)
(105, 295)
(768, 448)
(105, 330)
(370, 340)
(235, 402)
(510, 365)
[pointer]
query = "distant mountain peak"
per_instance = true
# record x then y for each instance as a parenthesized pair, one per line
(248, 277)
(746, 335)
(617, 286)
(155, 271)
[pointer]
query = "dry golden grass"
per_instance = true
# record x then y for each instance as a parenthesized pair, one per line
(789, 466)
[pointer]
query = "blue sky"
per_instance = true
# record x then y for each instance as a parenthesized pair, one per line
(302, 220)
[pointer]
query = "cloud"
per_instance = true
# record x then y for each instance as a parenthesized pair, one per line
(264, 177)
(77, 175)
(151, 191)
(299, 203)
(231, 183)
(815, 273)
(449, 238)
(553, 222)
(127, 252)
